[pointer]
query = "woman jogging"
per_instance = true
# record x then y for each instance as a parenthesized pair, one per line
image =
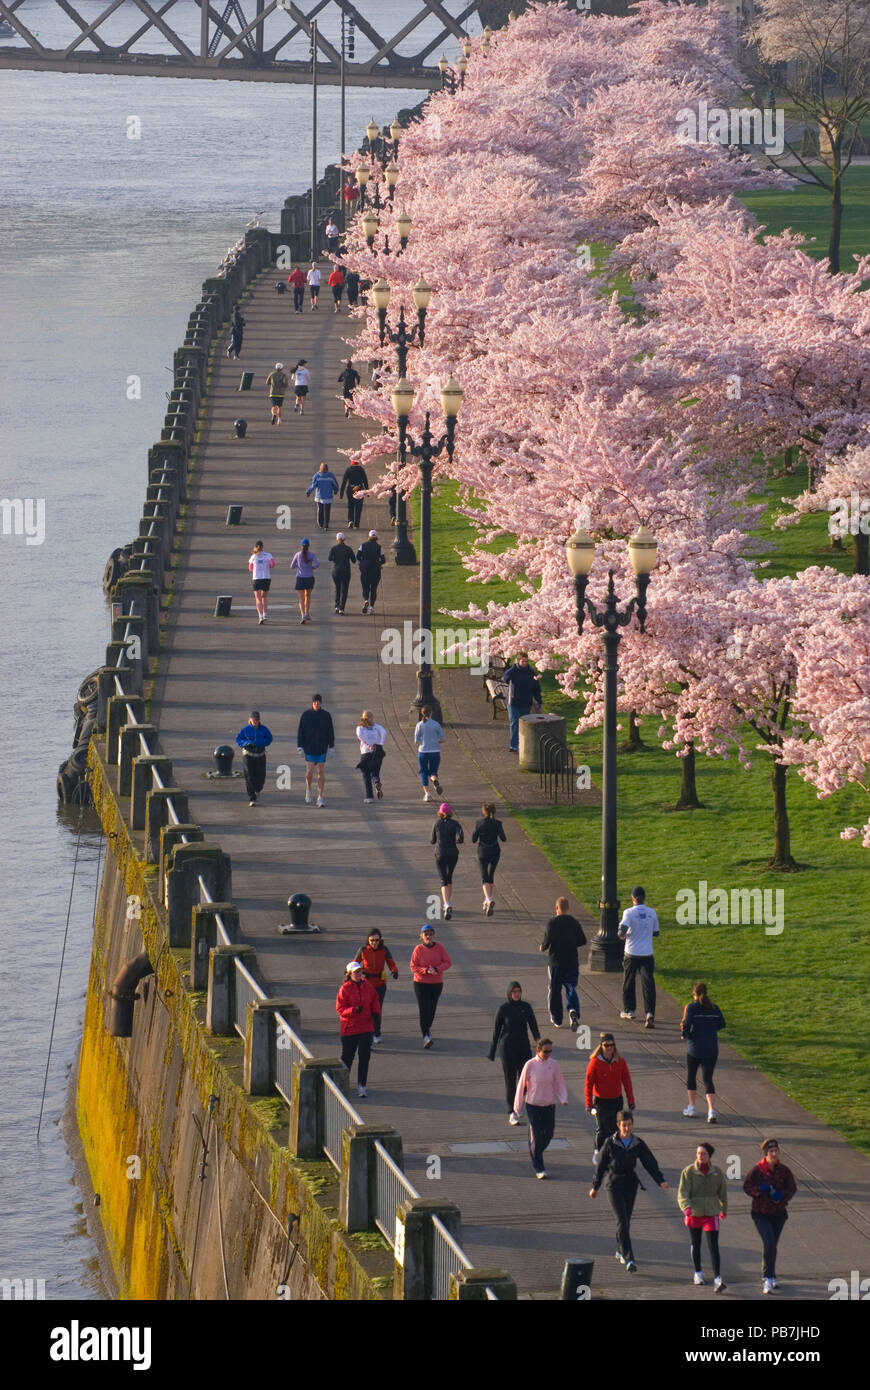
(237, 333)
(540, 1085)
(618, 1160)
(301, 382)
(428, 737)
(703, 1199)
(357, 1004)
(514, 1022)
(324, 485)
(699, 1027)
(607, 1076)
(376, 961)
(336, 284)
(429, 961)
(261, 565)
(447, 836)
(277, 382)
(372, 738)
(341, 557)
(771, 1186)
(348, 381)
(314, 278)
(486, 836)
(304, 562)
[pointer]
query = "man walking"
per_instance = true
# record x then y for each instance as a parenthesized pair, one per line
(524, 690)
(314, 278)
(370, 558)
(562, 940)
(355, 480)
(297, 280)
(253, 740)
(315, 738)
(638, 927)
(341, 557)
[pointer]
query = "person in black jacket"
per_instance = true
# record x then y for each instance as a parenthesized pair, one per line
(700, 1025)
(341, 557)
(617, 1161)
(510, 1037)
(524, 690)
(486, 836)
(237, 333)
(370, 558)
(562, 940)
(447, 836)
(348, 381)
(315, 738)
(354, 478)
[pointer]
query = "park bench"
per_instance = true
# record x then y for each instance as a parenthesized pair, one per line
(496, 689)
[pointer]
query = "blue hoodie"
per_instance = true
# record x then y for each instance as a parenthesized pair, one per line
(324, 486)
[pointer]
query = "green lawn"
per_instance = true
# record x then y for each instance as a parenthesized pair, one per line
(807, 209)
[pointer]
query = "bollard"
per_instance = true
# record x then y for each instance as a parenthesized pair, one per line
(223, 760)
(241, 428)
(577, 1279)
(247, 381)
(234, 514)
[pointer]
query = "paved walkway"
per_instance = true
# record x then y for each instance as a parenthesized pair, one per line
(373, 865)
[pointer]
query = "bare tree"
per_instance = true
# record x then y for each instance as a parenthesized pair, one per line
(817, 52)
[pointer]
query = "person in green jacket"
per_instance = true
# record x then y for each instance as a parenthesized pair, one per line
(703, 1199)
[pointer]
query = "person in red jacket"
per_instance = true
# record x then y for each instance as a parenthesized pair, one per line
(606, 1077)
(771, 1186)
(356, 1005)
(336, 284)
(429, 960)
(297, 280)
(376, 961)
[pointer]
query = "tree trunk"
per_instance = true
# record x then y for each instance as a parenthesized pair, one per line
(788, 460)
(782, 858)
(861, 557)
(633, 743)
(836, 206)
(688, 793)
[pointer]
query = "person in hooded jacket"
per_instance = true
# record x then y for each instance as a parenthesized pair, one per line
(376, 961)
(324, 485)
(514, 1022)
(607, 1075)
(619, 1157)
(356, 1005)
(355, 480)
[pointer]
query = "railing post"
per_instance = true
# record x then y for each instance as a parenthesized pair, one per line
(185, 865)
(261, 1043)
(357, 1202)
(203, 937)
(306, 1113)
(128, 748)
(414, 1274)
(116, 718)
(106, 689)
(220, 1009)
(157, 816)
(144, 767)
(470, 1285)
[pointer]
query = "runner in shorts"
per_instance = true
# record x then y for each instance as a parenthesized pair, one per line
(261, 564)
(301, 379)
(277, 382)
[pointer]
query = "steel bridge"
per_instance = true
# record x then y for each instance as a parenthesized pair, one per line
(241, 40)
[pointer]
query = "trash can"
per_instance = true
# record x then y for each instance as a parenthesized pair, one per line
(533, 728)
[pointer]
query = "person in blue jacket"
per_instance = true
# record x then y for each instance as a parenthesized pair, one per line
(253, 740)
(324, 485)
(524, 691)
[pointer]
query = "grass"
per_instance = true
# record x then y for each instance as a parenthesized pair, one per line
(807, 209)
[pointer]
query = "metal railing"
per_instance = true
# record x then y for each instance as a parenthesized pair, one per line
(557, 772)
(246, 992)
(288, 1049)
(391, 1188)
(447, 1258)
(338, 1113)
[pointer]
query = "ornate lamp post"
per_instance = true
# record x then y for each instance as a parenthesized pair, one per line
(370, 225)
(403, 227)
(362, 177)
(402, 397)
(426, 451)
(606, 949)
(403, 337)
(391, 178)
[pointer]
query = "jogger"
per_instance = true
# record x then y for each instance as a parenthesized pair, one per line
(253, 740)
(429, 961)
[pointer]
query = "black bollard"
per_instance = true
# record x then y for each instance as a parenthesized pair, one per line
(223, 759)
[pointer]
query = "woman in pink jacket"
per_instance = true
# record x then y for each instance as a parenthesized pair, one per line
(356, 1004)
(540, 1085)
(429, 960)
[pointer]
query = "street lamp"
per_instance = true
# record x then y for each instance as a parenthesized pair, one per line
(403, 337)
(391, 178)
(369, 225)
(403, 227)
(426, 451)
(362, 178)
(402, 397)
(606, 949)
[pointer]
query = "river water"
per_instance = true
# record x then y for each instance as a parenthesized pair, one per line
(104, 243)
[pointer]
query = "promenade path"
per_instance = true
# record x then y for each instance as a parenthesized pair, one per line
(373, 865)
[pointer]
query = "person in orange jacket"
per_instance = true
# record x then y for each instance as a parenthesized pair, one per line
(429, 961)
(376, 961)
(607, 1075)
(356, 1004)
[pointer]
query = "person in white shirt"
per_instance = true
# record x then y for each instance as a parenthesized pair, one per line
(301, 381)
(372, 738)
(638, 927)
(261, 565)
(314, 278)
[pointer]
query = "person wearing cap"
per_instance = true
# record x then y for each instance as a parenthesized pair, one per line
(276, 383)
(541, 1084)
(314, 739)
(261, 565)
(607, 1076)
(447, 836)
(514, 1022)
(771, 1186)
(304, 562)
(357, 1004)
(703, 1199)
(355, 481)
(370, 558)
(301, 382)
(253, 740)
(296, 278)
(376, 961)
(619, 1157)
(324, 485)
(429, 961)
(314, 278)
(348, 381)
(372, 738)
(638, 927)
(341, 557)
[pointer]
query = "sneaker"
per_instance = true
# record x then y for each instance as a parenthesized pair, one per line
(625, 1014)
(368, 801)
(320, 801)
(540, 1176)
(448, 913)
(595, 1155)
(620, 1257)
(574, 1020)
(775, 1283)
(308, 798)
(719, 1283)
(379, 790)
(437, 785)
(513, 1118)
(630, 1267)
(426, 796)
(699, 1278)
(650, 1021)
(377, 1039)
(554, 1023)
(362, 1092)
(427, 1041)
(253, 801)
(767, 1286)
(690, 1112)
(338, 610)
(712, 1116)
(365, 608)
(490, 908)
(261, 620)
